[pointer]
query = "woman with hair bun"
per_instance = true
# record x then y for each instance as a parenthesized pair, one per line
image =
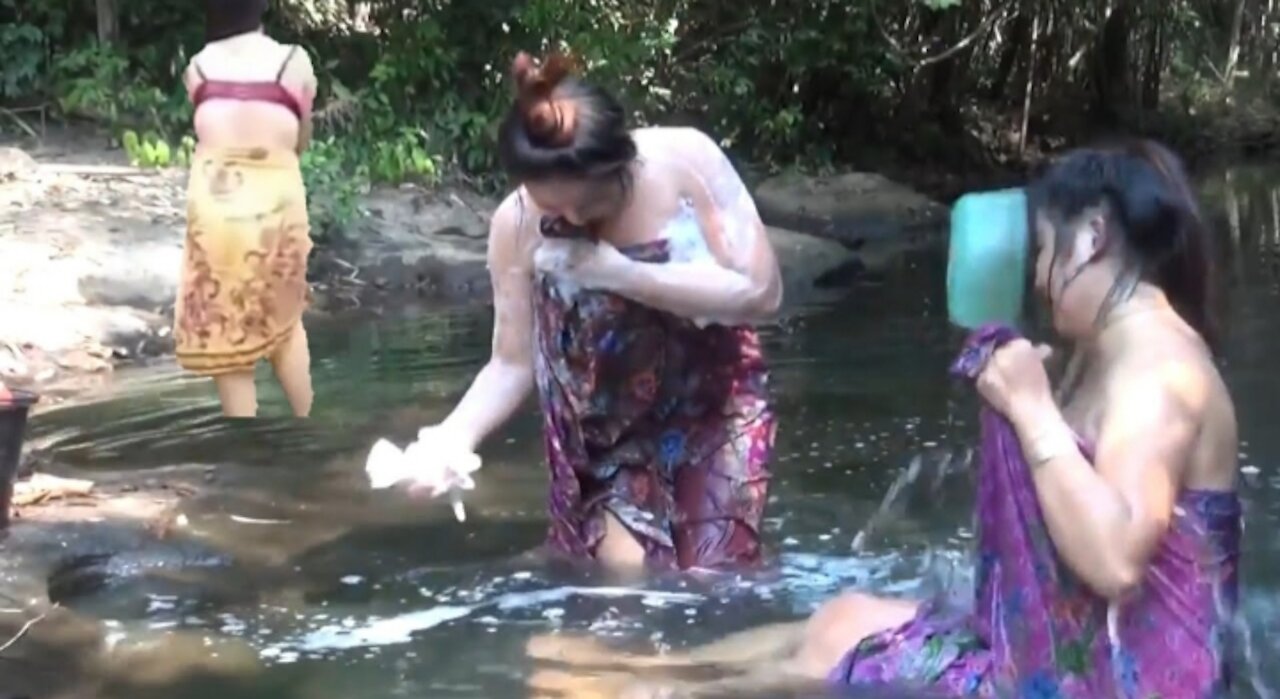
(628, 268)
(243, 287)
(1108, 539)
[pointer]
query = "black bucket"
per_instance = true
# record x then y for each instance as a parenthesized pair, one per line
(14, 406)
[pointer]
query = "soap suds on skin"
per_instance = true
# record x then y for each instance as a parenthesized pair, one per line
(685, 239)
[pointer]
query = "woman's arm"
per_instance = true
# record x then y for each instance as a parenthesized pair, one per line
(305, 77)
(191, 78)
(742, 283)
(505, 381)
(1106, 518)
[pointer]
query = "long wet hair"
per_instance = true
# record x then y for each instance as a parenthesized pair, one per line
(561, 126)
(1152, 215)
(227, 18)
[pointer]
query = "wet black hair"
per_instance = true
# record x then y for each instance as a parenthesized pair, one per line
(562, 126)
(1147, 197)
(227, 18)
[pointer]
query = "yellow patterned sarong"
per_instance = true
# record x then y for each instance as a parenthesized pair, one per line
(244, 274)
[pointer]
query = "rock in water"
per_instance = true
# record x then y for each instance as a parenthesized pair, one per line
(853, 208)
(15, 164)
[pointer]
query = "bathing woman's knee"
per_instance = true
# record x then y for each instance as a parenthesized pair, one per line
(842, 623)
(619, 548)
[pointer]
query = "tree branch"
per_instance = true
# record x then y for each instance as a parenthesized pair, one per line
(997, 15)
(691, 51)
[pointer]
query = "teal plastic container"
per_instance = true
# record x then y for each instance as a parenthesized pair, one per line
(986, 263)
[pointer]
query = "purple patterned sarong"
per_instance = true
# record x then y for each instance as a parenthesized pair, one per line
(662, 423)
(1036, 631)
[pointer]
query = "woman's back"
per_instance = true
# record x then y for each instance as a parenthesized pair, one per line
(250, 91)
(243, 289)
(1154, 357)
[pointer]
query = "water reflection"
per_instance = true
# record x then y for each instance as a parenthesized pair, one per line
(344, 592)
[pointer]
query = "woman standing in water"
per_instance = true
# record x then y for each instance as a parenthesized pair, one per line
(627, 269)
(1109, 525)
(243, 287)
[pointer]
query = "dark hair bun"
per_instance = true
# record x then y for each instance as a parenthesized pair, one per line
(548, 120)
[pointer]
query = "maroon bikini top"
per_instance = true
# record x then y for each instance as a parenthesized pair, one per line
(248, 90)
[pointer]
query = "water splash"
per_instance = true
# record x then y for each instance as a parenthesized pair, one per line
(1234, 642)
(945, 464)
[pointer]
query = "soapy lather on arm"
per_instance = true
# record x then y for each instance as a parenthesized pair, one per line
(742, 283)
(443, 457)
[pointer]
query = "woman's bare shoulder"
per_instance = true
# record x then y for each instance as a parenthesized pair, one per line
(683, 144)
(682, 155)
(199, 57)
(509, 212)
(299, 67)
(511, 231)
(1170, 366)
(1174, 381)
(298, 55)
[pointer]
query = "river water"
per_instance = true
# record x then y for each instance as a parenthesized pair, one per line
(342, 592)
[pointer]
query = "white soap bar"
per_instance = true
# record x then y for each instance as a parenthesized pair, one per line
(388, 465)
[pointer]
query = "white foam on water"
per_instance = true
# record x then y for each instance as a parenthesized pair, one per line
(377, 632)
(652, 598)
(351, 633)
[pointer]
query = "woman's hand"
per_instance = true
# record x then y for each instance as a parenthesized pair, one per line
(593, 265)
(1015, 383)
(440, 462)
(434, 464)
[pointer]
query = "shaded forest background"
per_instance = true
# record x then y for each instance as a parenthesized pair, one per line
(937, 93)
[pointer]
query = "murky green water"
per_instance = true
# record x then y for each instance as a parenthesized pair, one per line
(349, 593)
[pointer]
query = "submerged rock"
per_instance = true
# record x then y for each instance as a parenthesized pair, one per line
(430, 244)
(67, 565)
(435, 244)
(808, 264)
(853, 208)
(165, 663)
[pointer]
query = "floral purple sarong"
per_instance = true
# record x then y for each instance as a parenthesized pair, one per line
(662, 423)
(1036, 630)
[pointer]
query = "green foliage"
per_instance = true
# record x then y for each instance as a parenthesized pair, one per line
(27, 32)
(334, 185)
(412, 90)
(98, 82)
(153, 150)
(23, 48)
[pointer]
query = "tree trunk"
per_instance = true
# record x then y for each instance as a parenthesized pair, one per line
(1154, 68)
(1029, 84)
(1233, 44)
(948, 78)
(1111, 67)
(1232, 205)
(1014, 45)
(1269, 44)
(1274, 238)
(108, 22)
